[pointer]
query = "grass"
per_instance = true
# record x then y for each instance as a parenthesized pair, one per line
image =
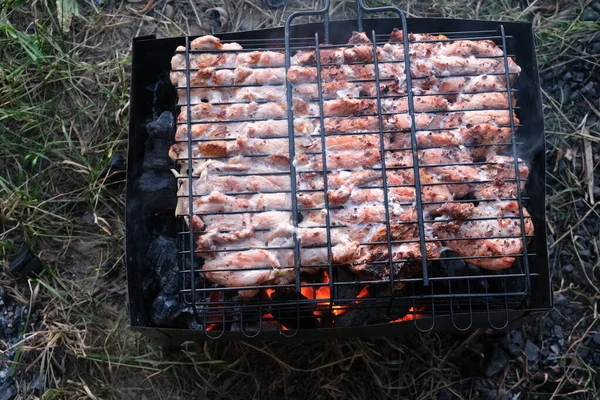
(64, 113)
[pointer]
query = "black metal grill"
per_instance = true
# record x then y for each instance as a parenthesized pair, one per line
(439, 291)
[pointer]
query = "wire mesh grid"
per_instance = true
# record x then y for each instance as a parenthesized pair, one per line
(317, 299)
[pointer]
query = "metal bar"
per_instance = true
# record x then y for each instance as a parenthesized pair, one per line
(190, 191)
(386, 203)
(413, 134)
(292, 148)
(324, 158)
(516, 165)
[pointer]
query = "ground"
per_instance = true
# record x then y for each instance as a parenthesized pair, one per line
(64, 79)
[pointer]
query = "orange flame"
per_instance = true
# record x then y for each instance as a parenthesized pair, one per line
(412, 314)
(324, 292)
(211, 327)
(270, 316)
(269, 292)
(363, 293)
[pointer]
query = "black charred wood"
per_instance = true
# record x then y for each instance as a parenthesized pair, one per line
(293, 316)
(115, 170)
(25, 264)
(164, 309)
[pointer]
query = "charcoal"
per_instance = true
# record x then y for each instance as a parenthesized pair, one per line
(165, 97)
(157, 189)
(568, 268)
(596, 339)
(590, 15)
(169, 280)
(291, 316)
(513, 343)
(160, 134)
(115, 170)
(161, 255)
(589, 90)
(583, 352)
(8, 391)
(25, 264)
(156, 156)
(561, 300)
(164, 308)
(162, 128)
(559, 332)
(578, 77)
(532, 351)
(495, 363)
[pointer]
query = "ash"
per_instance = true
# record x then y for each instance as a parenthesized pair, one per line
(16, 319)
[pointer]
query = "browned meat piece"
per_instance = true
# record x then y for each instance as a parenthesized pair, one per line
(255, 129)
(451, 174)
(329, 90)
(338, 160)
(469, 137)
(501, 170)
(342, 142)
(238, 76)
(238, 111)
(479, 101)
(246, 269)
(219, 202)
(444, 85)
(261, 59)
(370, 262)
(503, 249)
(451, 119)
(252, 183)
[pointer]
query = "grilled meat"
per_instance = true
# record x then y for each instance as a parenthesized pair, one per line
(240, 143)
(499, 220)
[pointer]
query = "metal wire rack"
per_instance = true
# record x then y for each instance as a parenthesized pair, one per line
(440, 288)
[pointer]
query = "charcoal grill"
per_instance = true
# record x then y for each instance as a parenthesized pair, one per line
(443, 297)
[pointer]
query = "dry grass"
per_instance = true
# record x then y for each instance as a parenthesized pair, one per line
(64, 113)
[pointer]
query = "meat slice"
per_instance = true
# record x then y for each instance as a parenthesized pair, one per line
(219, 202)
(236, 111)
(254, 129)
(493, 219)
(439, 66)
(329, 90)
(452, 174)
(235, 184)
(339, 160)
(238, 76)
(406, 256)
(471, 138)
(247, 269)
(341, 142)
(501, 171)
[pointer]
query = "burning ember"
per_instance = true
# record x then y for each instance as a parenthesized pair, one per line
(324, 292)
(411, 315)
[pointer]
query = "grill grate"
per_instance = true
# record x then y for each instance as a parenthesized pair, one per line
(432, 293)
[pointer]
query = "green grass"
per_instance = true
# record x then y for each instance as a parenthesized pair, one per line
(64, 113)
